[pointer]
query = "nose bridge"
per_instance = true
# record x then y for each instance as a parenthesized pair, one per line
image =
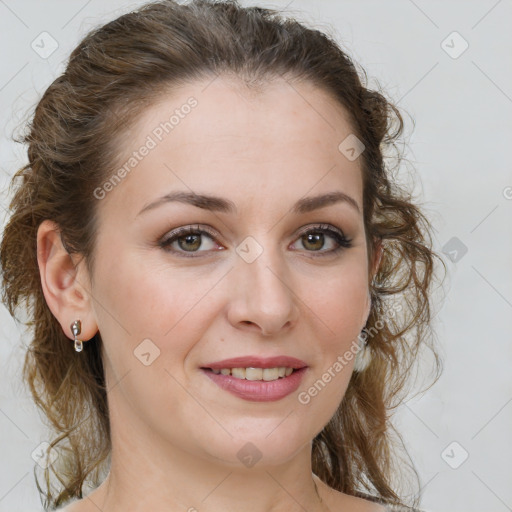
(266, 295)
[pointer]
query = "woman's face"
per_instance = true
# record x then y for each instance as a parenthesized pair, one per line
(264, 273)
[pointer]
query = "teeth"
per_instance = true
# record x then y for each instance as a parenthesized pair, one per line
(249, 373)
(265, 374)
(239, 373)
(271, 373)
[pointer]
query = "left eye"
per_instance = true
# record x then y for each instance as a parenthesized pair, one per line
(188, 240)
(315, 239)
(191, 239)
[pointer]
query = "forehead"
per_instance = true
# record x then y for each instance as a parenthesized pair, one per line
(213, 133)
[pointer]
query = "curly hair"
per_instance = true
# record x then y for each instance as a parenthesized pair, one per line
(113, 74)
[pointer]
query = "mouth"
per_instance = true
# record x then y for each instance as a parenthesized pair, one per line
(255, 374)
(256, 379)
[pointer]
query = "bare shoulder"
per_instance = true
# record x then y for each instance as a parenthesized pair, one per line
(68, 508)
(340, 501)
(87, 503)
(401, 508)
(355, 504)
(336, 500)
(74, 506)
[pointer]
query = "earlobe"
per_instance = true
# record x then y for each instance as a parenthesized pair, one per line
(374, 265)
(65, 295)
(377, 257)
(368, 307)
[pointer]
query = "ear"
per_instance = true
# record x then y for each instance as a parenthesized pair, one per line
(377, 256)
(65, 282)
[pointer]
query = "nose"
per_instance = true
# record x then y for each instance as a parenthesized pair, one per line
(263, 298)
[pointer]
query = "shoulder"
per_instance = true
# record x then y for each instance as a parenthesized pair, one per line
(337, 501)
(377, 505)
(388, 507)
(401, 508)
(341, 501)
(72, 506)
(67, 508)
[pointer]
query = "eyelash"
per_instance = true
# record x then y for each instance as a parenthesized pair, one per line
(165, 242)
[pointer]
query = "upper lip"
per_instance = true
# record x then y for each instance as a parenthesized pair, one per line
(257, 362)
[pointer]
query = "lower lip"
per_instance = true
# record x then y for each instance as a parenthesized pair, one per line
(258, 390)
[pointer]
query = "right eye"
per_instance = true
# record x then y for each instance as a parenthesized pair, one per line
(187, 239)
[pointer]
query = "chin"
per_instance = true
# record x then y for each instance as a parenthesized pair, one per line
(259, 447)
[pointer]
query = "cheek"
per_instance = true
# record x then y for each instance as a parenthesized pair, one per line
(337, 313)
(147, 300)
(340, 307)
(149, 322)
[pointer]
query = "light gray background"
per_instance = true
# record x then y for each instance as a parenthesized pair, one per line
(461, 150)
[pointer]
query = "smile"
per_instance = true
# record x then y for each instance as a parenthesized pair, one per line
(250, 373)
(250, 384)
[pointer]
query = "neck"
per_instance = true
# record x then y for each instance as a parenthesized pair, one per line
(149, 473)
(137, 483)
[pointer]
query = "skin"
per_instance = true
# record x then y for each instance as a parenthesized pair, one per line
(175, 433)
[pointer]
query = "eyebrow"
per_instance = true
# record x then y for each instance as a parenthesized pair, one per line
(219, 204)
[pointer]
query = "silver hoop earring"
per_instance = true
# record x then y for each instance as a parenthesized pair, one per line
(76, 329)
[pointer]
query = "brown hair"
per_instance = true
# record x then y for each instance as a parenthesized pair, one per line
(73, 143)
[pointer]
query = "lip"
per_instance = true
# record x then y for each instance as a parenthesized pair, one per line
(257, 390)
(257, 362)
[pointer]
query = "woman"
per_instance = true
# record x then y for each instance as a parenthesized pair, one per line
(226, 288)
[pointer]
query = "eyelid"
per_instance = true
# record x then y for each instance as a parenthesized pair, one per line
(171, 236)
(337, 234)
(327, 227)
(174, 234)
